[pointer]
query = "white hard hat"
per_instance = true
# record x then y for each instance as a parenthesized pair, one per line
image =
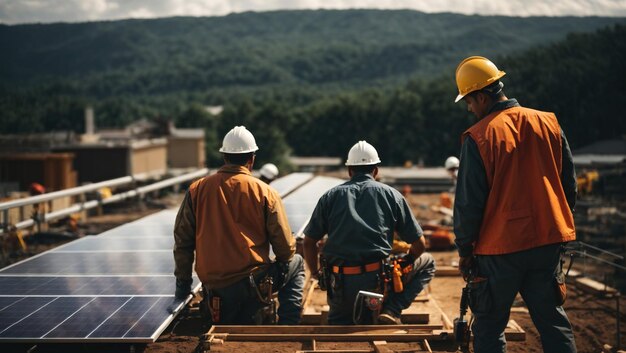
(269, 170)
(362, 153)
(239, 140)
(452, 162)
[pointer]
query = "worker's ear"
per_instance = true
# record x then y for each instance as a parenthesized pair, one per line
(375, 172)
(251, 161)
(350, 172)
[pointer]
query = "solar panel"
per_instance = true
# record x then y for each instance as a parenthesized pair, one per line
(116, 287)
(300, 204)
(120, 243)
(43, 285)
(290, 182)
(97, 263)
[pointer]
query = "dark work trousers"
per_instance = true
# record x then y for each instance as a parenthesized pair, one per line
(239, 302)
(532, 274)
(346, 288)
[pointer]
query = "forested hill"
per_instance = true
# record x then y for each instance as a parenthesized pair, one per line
(350, 47)
(312, 82)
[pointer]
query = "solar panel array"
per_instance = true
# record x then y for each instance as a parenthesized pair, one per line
(300, 203)
(290, 182)
(116, 287)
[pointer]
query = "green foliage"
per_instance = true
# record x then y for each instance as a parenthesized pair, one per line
(311, 82)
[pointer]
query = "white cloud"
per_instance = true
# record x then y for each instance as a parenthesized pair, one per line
(28, 11)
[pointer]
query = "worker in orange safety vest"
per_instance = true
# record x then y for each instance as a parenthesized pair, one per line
(515, 194)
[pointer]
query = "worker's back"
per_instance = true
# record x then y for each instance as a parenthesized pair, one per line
(232, 209)
(526, 208)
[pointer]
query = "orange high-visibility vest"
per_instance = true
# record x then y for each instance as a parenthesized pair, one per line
(526, 207)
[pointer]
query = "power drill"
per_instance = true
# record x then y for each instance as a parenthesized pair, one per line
(461, 326)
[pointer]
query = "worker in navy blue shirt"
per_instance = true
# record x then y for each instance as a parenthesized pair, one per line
(360, 218)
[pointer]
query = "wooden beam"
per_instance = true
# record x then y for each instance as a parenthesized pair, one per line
(315, 329)
(363, 337)
(595, 287)
(381, 347)
(445, 271)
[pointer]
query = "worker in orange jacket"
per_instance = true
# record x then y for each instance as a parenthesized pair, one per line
(230, 219)
(513, 207)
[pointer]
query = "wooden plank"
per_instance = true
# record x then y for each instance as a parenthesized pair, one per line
(337, 351)
(427, 346)
(381, 347)
(313, 329)
(309, 294)
(367, 337)
(447, 271)
(595, 287)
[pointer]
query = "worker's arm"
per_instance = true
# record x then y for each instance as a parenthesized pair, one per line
(313, 233)
(418, 247)
(471, 195)
(184, 246)
(310, 255)
(280, 236)
(568, 174)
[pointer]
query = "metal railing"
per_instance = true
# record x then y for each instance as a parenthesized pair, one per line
(86, 205)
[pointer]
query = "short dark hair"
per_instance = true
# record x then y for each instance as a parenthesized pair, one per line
(495, 90)
(238, 158)
(363, 169)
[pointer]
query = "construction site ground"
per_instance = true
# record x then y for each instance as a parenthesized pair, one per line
(593, 317)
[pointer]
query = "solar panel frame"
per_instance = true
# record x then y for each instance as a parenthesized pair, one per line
(290, 182)
(56, 276)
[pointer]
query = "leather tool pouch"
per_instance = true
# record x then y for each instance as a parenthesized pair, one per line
(560, 289)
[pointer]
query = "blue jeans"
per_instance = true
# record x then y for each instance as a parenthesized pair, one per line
(239, 303)
(346, 287)
(531, 273)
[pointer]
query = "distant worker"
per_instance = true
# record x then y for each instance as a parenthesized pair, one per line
(230, 219)
(269, 172)
(360, 217)
(452, 166)
(513, 210)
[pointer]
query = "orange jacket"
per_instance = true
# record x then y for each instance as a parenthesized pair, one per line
(230, 218)
(526, 207)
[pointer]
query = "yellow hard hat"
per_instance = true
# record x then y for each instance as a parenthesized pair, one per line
(474, 73)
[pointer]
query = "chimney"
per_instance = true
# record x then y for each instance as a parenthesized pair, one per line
(89, 121)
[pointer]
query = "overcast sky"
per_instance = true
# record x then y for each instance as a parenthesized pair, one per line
(31, 11)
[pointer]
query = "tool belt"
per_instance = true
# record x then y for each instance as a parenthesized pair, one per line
(357, 270)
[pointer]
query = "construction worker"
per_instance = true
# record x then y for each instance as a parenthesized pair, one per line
(269, 172)
(360, 217)
(513, 210)
(452, 166)
(230, 219)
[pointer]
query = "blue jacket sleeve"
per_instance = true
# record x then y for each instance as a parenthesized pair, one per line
(471, 195)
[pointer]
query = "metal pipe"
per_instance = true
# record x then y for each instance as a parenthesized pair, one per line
(585, 254)
(169, 182)
(115, 198)
(63, 193)
(601, 250)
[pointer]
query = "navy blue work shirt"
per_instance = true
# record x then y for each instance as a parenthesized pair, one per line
(360, 217)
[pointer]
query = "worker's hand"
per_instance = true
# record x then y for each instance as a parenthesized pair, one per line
(183, 288)
(465, 265)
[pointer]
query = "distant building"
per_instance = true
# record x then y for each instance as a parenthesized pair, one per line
(108, 160)
(419, 180)
(185, 148)
(315, 164)
(605, 153)
(53, 170)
